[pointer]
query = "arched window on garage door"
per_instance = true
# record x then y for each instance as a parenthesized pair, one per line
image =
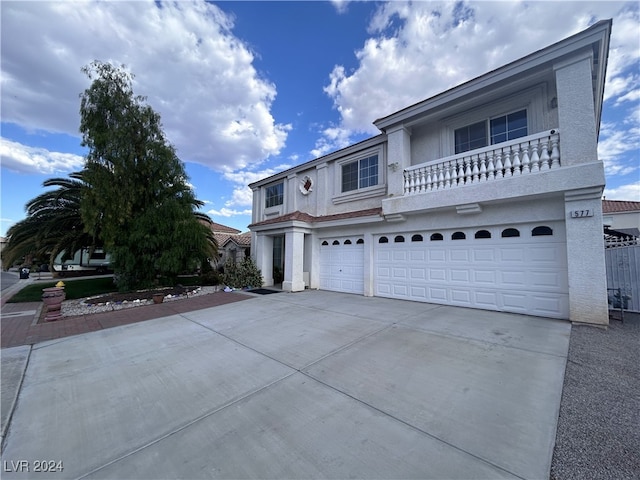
(458, 236)
(347, 242)
(383, 240)
(483, 234)
(510, 232)
(325, 243)
(360, 241)
(541, 230)
(399, 239)
(335, 242)
(436, 237)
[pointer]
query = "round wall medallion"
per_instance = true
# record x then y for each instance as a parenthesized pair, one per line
(306, 185)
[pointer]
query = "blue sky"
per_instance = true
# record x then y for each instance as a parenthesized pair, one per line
(247, 89)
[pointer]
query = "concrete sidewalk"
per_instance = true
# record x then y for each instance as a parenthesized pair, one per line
(306, 385)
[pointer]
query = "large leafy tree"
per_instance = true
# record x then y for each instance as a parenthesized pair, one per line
(53, 224)
(137, 193)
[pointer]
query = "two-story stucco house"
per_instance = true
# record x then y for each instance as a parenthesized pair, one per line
(487, 195)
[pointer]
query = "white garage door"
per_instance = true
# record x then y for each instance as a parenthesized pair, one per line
(519, 269)
(342, 265)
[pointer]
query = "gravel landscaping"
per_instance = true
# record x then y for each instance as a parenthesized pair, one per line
(119, 301)
(598, 434)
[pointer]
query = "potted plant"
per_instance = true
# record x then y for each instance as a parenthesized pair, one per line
(158, 297)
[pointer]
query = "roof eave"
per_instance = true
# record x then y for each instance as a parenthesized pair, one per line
(599, 34)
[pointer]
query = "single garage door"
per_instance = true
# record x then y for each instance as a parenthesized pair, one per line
(342, 265)
(520, 268)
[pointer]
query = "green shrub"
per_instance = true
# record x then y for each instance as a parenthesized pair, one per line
(210, 278)
(241, 275)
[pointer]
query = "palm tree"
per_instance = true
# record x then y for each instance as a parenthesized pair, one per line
(53, 225)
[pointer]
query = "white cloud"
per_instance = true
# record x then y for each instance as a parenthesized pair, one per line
(227, 212)
(629, 192)
(615, 143)
(215, 106)
(25, 159)
(419, 49)
(340, 5)
(333, 138)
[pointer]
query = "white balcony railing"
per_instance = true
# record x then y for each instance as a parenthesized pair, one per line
(523, 156)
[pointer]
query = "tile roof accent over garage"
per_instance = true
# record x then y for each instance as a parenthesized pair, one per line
(305, 217)
(619, 206)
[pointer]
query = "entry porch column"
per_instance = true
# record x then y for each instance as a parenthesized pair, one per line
(294, 260)
(263, 256)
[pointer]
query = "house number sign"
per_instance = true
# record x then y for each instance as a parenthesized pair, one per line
(581, 213)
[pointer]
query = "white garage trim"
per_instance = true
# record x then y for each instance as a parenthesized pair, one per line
(524, 274)
(342, 264)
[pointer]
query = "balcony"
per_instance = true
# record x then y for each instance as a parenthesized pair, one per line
(523, 156)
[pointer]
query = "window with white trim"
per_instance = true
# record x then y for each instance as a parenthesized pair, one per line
(274, 195)
(491, 131)
(359, 174)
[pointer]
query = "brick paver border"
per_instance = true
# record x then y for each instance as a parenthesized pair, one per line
(25, 329)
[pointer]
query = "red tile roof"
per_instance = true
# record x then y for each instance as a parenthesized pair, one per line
(243, 240)
(619, 206)
(305, 217)
(219, 228)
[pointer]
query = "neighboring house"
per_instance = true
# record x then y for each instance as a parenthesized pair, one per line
(487, 195)
(237, 247)
(622, 216)
(231, 243)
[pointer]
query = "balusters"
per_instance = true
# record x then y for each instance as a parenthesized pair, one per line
(483, 167)
(555, 153)
(468, 171)
(526, 160)
(475, 171)
(440, 174)
(454, 172)
(516, 161)
(491, 167)
(447, 175)
(535, 158)
(421, 180)
(532, 155)
(429, 179)
(507, 164)
(499, 165)
(544, 159)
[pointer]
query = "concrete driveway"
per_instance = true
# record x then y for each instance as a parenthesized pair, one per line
(305, 385)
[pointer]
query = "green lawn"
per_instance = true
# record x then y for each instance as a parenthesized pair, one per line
(79, 288)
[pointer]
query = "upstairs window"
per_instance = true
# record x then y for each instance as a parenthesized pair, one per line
(471, 137)
(509, 127)
(361, 173)
(491, 131)
(274, 195)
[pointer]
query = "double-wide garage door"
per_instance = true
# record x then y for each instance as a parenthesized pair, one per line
(518, 269)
